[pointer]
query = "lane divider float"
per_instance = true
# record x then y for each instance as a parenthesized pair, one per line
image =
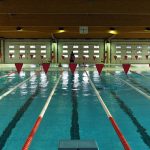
(6, 75)
(138, 74)
(135, 88)
(39, 119)
(14, 88)
(114, 124)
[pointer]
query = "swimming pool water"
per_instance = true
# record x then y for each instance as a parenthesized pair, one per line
(75, 112)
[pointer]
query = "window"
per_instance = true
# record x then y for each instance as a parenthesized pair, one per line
(76, 56)
(32, 46)
(139, 52)
(87, 56)
(118, 56)
(65, 51)
(11, 51)
(97, 56)
(75, 46)
(11, 46)
(75, 51)
(43, 46)
(118, 52)
(32, 51)
(22, 46)
(139, 56)
(23, 56)
(128, 46)
(86, 51)
(66, 56)
(96, 46)
(96, 51)
(129, 56)
(128, 52)
(43, 51)
(86, 46)
(118, 47)
(22, 51)
(139, 47)
(65, 46)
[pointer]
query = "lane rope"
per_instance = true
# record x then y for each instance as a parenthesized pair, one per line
(40, 117)
(6, 75)
(110, 117)
(139, 74)
(14, 88)
(135, 88)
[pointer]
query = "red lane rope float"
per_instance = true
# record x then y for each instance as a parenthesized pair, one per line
(120, 135)
(114, 124)
(39, 119)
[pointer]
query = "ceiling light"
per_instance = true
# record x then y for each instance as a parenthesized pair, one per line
(61, 30)
(19, 29)
(112, 31)
(147, 29)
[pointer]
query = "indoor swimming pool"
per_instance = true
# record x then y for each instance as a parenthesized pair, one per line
(75, 111)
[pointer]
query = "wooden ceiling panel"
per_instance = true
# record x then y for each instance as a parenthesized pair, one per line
(42, 19)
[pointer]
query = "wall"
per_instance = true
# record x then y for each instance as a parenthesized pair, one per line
(130, 51)
(91, 51)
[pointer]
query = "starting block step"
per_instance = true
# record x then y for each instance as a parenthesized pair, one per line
(78, 145)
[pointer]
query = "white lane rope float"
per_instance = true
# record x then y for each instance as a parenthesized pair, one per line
(135, 88)
(112, 120)
(14, 88)
(40, 117)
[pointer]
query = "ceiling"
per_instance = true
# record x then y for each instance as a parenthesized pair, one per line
(41, 19)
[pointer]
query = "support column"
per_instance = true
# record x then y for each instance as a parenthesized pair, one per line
(54, 52)
(2, 51)
(107, 52)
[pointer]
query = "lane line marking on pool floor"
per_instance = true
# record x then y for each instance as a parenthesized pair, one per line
(14, 88)
(39, 119)
(6, 75)
(110, 117)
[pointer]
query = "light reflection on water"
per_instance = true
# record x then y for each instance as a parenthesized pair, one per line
(65, 80)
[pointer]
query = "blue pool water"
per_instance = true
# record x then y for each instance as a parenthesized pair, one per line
(75, 112)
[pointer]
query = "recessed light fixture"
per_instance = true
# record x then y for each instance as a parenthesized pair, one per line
(147, 29)
(112, 31)
(61, 30)
(19, 29)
